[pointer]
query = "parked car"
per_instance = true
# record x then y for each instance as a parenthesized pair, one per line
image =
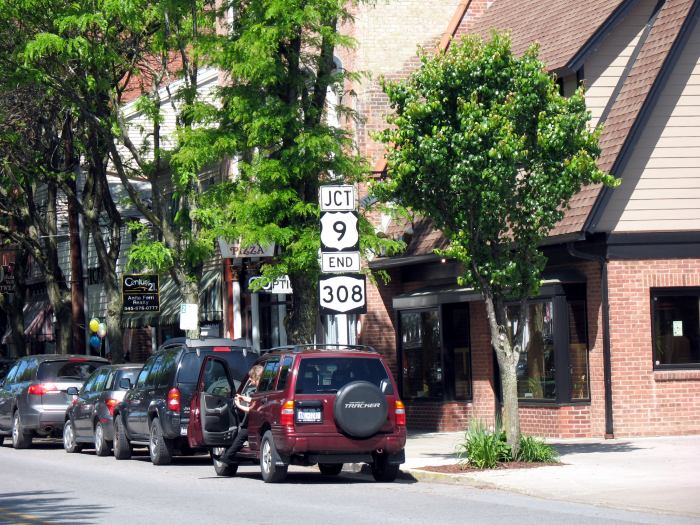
(315, 404)
(156, 410)
(34, 395)
(89, 419)
(5, 365)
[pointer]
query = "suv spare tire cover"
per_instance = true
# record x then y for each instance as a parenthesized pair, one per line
(360, 409)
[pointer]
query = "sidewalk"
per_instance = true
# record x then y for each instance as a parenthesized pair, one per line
(647, 474)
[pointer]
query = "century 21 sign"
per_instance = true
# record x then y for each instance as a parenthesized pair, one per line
(140, 293)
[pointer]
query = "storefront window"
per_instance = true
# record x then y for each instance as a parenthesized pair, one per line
(421, 360)
(578, 350)
(536, 367)
(676, 330)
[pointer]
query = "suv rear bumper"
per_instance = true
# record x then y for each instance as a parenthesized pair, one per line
(43, 420)
(333, 444)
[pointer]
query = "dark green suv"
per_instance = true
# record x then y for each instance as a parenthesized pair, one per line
(155, 411)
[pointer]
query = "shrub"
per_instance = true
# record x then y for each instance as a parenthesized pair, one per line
(533, 450)
(483, 448)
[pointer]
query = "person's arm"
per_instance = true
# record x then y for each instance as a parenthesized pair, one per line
(242, 402)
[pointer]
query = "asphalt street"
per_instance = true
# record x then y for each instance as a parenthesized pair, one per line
(47, 485)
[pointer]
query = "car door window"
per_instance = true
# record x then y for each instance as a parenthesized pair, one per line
(23, 372)
(154, 375)
(284, 372)
(168, 367)
(10, 379)
(101, 380)
(269, 375)
(215, 380)
(143, 375)
(89, 385)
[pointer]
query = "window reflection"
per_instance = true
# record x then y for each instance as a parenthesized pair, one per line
(421, 359)
(536, 366)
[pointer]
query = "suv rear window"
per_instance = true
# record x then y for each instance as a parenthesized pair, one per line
(237, 362)
(67, 370)
(329, 374)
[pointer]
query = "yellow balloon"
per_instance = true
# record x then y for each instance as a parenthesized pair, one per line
(94, 325)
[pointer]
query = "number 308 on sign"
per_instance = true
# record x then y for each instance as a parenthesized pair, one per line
(342, 294)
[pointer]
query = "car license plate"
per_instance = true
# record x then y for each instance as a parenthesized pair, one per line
(309, 415)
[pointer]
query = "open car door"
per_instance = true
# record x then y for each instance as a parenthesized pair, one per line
(213, 418)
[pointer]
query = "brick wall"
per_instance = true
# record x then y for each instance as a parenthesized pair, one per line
(648, 402)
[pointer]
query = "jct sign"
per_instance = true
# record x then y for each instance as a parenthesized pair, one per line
(337, 198)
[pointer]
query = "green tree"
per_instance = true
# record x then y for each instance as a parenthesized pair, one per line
(278, 56)
(485, 146)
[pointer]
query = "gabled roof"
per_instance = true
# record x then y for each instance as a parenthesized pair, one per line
(562, 27)
(566, 30)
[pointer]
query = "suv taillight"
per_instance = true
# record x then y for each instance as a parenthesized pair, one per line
(400, 414)
(173, 402)
(287, 414)
(111, 403)
(41, 389)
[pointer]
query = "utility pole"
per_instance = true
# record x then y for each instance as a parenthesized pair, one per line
(76, 262)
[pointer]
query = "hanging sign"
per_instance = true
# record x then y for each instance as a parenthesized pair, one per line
(342, 294)
(140, 293)
(236, 250)
(280, 285)
(7, 278)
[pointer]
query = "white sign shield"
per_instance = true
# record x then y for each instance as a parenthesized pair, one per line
(342, 294)
(337, 198)
(339, 231)
(189, 316)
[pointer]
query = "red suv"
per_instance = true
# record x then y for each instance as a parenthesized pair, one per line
(315, 404)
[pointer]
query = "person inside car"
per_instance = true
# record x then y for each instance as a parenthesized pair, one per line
(243, 403)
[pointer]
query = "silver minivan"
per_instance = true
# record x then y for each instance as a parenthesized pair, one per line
(34, 397)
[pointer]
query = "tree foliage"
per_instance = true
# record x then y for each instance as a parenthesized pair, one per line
(486, 147)
(278, 56)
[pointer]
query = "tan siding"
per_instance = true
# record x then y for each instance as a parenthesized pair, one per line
(660, 188)
(605, 66)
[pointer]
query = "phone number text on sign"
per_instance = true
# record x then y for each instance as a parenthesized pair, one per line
(343, 294)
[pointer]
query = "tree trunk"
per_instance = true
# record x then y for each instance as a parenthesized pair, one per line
(507, 356)
(301, 320)
(190, 295)
(114, 326)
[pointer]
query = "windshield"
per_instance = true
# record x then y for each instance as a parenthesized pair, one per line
(67, 370)
(238, 363)
(330, 374)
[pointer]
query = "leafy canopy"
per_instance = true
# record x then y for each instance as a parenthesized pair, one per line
(485, 146)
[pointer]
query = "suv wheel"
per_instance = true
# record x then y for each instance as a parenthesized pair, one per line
(20, 438)
(122, 447)
(382, 470)
(330, 469)
(69, 443)
(270, 468)
(221, 468)
(159, 447)
(102, 447)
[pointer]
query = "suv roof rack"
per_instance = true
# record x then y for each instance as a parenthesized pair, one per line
(324, 346)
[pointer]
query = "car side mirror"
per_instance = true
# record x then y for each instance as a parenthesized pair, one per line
(72, 391)
(125, 383)
(385, 387)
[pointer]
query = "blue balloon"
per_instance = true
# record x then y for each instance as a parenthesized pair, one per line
(95, 341)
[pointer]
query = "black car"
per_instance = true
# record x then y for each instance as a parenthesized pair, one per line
(89, 418)
(156, 410)
(34, 395)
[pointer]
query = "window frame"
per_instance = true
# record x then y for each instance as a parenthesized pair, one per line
(562, 354)
(683, 291)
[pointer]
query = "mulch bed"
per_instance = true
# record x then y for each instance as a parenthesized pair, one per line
(461, 469)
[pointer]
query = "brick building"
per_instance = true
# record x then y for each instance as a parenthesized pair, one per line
(613, 339)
